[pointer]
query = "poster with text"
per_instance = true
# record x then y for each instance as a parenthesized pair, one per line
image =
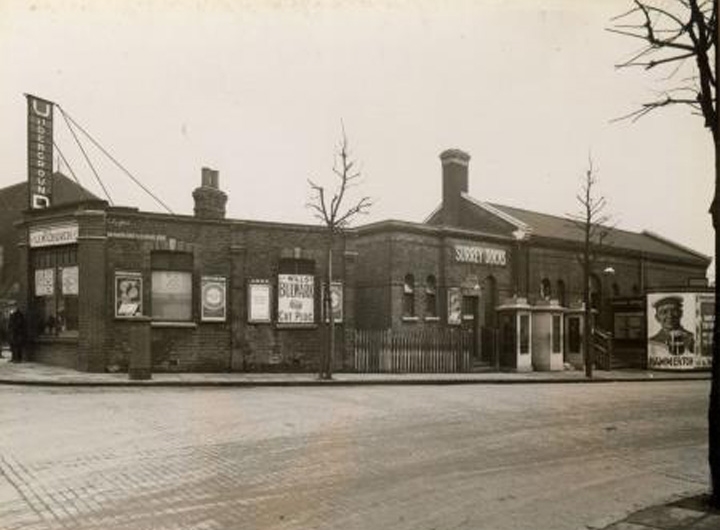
(70, 280)
(454, 306)
(128, 295)
(214, 298)
(44, 282)
(259, 297)
(296, 299)
(336, 302)
(676, 331)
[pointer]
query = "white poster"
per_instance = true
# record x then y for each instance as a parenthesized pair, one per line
(454, 306)
(70, 279)
(259, 302)
(44, 282)
(296, 299)
(675, 332)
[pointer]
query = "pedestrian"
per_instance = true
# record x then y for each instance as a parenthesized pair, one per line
(16, 329)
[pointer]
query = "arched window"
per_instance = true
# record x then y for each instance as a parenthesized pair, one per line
(430, 296)
(409, 296)
(561, 292)
(545, 289)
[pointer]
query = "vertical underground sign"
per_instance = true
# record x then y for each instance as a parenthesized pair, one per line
(40, 152)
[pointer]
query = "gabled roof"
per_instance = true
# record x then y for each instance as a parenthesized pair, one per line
(524, 224)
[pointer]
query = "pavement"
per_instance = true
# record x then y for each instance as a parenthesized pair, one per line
(691, 513)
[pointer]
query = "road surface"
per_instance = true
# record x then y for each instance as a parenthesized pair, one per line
(561, 456)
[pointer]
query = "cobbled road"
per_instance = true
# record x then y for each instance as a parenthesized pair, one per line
(561, 456)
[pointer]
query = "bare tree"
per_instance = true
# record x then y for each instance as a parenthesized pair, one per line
(682, 36)
(592, 220)
(329, 207)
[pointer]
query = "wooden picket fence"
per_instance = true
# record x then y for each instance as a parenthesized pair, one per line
(427, 351)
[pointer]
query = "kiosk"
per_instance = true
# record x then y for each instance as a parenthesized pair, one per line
(547, 336)
(515, 320)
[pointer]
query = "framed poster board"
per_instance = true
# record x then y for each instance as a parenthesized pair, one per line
(296, 299)
(259, 301)
(336, 302)
(213, 296)
(128, 294)
(454, 314)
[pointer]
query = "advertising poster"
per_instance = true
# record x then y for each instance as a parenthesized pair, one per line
(705, 324)
(214, 298)
(70, 279)
(259, 297)
(128, 295)
(454, 306)
(296, 299)
(336, 302)
(44, 282)
(675, 331)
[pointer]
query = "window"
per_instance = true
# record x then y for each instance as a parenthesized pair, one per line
(556, 334)
(409, 296)
(430, 297)
(171, 293)
(545, 289)
(469, 304)
(55, 286)
(524, 334)
(561, 292)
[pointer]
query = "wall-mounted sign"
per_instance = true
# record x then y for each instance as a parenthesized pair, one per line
(454, 306)
(40, 151)
(48, 236)
(70, 280)
(259, 299)
(296, 299)
(480, 255)
(214, 296)
(679, 330)
(336, 302)
(128, 294)
(44, 282)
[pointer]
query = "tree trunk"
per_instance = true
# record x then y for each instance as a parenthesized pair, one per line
(327, 359)
(714, 405)
(587, 328)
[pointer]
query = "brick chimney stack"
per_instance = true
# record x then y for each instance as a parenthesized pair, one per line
(209, 199)
(455, 181)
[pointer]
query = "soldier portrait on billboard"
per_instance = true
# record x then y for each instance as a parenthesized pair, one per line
(676, 339)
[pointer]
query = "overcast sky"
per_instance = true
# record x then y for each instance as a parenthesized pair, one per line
(257, 91)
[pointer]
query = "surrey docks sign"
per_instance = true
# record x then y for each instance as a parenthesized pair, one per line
(40, 152)
(480, 255)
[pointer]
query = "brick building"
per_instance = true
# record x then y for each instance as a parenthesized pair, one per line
(472, 256)
(221, 294)
(218, 294)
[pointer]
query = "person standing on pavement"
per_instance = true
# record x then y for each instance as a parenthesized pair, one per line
(16, 332)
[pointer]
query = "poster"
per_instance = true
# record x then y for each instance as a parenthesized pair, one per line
(214, 298)
(296, 299)
(259, 297)
(128, 295)
(44, 282)
(454, 306)
(677, 330)
(69, 280)
(336, 302)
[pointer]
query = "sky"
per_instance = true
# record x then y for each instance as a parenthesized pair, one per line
(258, 91)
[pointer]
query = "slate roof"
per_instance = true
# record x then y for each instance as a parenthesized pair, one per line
(551, 226)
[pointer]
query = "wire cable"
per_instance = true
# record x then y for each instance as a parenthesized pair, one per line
(118, 164)
(87, 159)
(72, 173)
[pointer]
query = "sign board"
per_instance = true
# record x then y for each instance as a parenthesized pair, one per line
(128, 294)
(53, 235)
(214, 298)
(296, 299)
(454, 306)
(70, 280)
(44, 282)
(480, 255)
(40, 152)
(259, 297)
(679, 330)
(336, 302)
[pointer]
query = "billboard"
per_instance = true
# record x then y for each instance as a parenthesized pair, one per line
(296, 299)
(679, 330)
(40, 152)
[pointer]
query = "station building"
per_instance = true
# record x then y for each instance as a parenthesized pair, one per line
(219, 294)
